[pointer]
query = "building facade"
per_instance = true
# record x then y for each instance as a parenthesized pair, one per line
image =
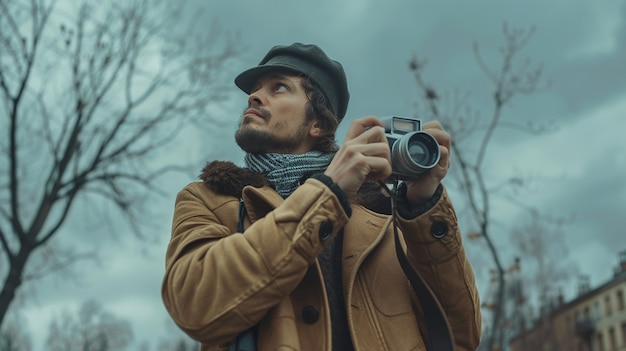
(594, 321)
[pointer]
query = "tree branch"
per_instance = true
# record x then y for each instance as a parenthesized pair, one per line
(13, 124)
(5, 245)
(69, 199)
(12, 24)
(53, 264)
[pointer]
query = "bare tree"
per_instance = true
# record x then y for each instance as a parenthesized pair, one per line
(90, 92)
(512, 78)
(14, 336)
(92, 329)
(533, 240)
(533, 283)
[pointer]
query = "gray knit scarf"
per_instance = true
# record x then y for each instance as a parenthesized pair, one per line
(286, 171)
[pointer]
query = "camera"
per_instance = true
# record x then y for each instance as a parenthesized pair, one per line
(413, 151)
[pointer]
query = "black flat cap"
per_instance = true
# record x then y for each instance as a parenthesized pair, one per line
(309, 60)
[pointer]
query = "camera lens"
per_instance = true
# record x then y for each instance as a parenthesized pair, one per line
(415, 153)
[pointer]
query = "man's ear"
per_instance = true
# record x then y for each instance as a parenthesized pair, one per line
(317, 130)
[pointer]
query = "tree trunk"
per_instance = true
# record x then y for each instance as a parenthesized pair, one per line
(13, 280)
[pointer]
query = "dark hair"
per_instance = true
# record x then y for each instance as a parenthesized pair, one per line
(319, 108)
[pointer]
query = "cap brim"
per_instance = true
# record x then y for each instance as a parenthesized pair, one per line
(247, 79)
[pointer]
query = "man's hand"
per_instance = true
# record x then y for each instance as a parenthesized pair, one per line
(423, 188)
(363, 156)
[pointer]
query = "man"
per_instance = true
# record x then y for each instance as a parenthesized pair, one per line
(296, 251)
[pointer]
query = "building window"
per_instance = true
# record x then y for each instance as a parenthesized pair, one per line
(620, 301)
(596, 311)
(607, 305)
(599, 342)
(570, 328)
(612, 340)
(624, 334)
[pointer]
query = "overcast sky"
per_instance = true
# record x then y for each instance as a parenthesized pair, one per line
(578, 169)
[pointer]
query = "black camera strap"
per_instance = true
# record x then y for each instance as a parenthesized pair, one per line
(439, 333)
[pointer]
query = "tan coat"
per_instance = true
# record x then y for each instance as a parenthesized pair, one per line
(219, 282)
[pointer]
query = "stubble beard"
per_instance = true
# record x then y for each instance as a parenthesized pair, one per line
(256, 141)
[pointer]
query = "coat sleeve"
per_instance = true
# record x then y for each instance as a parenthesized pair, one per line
(436, 250)
(218, 283)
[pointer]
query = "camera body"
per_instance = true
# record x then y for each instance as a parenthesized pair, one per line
(413, 151)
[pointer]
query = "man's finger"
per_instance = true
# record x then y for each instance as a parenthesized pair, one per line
(358, 126)
(442, 137)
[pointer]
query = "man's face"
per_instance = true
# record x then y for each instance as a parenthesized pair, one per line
(275, 120)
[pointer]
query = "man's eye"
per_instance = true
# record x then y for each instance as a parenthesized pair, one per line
(280, 87)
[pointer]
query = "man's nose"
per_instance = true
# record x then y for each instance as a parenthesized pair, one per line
(255, 99)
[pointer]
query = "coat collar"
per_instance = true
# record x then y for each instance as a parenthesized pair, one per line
(226, 178)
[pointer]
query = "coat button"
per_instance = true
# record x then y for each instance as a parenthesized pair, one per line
(310, 314)
(439, 229)
(326, 230)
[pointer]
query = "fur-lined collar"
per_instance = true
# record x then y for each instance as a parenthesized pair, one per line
(226, 178)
